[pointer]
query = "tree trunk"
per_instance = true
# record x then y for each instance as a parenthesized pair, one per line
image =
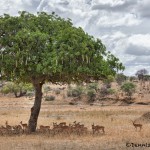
(35, 110)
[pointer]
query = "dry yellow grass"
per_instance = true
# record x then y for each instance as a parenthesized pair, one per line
(116, 119)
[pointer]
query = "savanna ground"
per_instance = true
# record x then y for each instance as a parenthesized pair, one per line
(119, 129)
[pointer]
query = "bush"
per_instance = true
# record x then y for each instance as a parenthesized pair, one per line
(19, 89)
(91, 95)
(75, 92)
(69, 93)
(57, 91)
(111, 91)
(103, 91)
(132, 78)
(128, 88)
(5, 90)
(120, 78)
(93, 86)
(30, 94)
(49, 98)
(46, 89)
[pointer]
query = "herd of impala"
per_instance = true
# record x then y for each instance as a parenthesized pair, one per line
(56, 129)
(61, 128)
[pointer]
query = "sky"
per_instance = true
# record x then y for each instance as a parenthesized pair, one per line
(122, 25)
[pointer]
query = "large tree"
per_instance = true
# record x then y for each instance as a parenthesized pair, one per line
(44, 47)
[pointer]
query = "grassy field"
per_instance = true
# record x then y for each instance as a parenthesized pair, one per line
(119, 129)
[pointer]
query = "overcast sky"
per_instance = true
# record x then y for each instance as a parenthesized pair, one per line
(122, 25)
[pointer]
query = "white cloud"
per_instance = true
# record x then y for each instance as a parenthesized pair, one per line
(115, 19)
(143, 8)
(140, 40)
(27, 2)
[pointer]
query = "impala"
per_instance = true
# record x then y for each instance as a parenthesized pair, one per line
(97, 128)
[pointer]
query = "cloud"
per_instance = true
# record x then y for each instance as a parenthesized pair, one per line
(115, 19)
(138, 45)
(115, 6)
(140, 39)
(12, 7)
(143, 8)
(139, 61)
(138, 50)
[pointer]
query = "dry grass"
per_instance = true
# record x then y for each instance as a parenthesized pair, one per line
(116, 119)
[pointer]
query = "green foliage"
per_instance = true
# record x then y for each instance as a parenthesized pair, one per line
(5, 90)
(93, 86)
(75, 92)
(131, 78)
(15, 88)
(146, 77)
(111, 91)
(45, 47)
(91, 95)
(104, 91)
(120, 78)
(27, 87)
(49, 98)
(128, 88)
(108, 81)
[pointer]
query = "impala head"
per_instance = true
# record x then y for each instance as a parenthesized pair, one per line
(92, 125)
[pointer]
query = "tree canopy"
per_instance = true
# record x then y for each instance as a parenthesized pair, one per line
(46, 47)
(51, 48)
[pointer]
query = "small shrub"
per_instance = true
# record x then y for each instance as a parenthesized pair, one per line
(75, 92)
(57, 91)
(46, 89)
(120, 78)
(30, 94)
(49, 98)
(103, 91)
(5, 90)
(132, 78)
(111, 91)
(91, 95)
(93, 86)
(69, 93)
(18, 89)
(128, 88)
